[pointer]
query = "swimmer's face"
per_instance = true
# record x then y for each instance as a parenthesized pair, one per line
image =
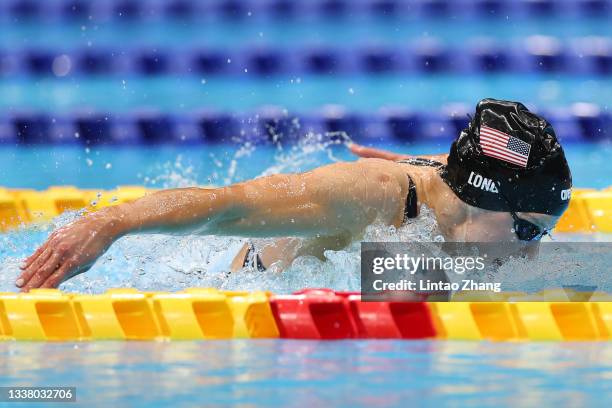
(493, 226)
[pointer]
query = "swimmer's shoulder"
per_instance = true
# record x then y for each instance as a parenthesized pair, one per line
(376, 165)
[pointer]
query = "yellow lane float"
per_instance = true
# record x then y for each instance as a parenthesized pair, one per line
(201, 314)
(589, 210)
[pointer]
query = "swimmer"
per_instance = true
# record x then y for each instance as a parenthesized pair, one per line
(505, 179)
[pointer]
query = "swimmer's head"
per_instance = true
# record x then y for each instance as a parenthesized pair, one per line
(509, 159)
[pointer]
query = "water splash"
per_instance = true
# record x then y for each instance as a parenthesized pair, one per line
(158, 262)
(310, 151)
(168, 263)
(172, 175)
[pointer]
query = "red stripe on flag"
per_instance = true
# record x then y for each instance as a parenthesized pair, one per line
(505, 157)
(494, 143)
(504, 150)
(486, 136)
(501, 151)
(509, 160)
(494, 131)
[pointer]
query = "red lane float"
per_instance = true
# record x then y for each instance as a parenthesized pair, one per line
(325, 314)
(313, 314)
(392, 320)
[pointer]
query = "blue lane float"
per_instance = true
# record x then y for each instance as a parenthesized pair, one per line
(75, 9)
(325, 60)
(266, 61)
(378, 59)
(491, 8)
(542, 7)
(593, 123)
(403, 124)
(535, 55)
(95, 62)
(489, 56)
(31, 127)
(217, 127)
(180, 9)
(243, 10)
(597, 54)
(581, 122)
(136, 10)
(210, 61)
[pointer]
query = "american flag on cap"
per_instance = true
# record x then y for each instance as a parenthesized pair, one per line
(504, 147)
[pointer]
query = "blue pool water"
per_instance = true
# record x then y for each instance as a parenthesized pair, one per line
(294, 91)
(173, 166)
(298, 93)
(280, 372)
(289, 373)
(160, 262)
(291, 33)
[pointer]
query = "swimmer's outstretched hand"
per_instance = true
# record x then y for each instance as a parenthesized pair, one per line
(370, 152)
(68, 251)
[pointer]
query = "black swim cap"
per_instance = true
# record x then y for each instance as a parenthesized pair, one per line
(509, 159)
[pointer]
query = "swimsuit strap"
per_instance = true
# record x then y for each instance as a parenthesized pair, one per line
(411, 210)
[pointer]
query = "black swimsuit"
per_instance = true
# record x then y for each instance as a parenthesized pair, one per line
(252, 259)
(411, 210)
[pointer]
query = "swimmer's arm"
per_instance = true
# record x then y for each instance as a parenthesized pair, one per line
(342, 198)
(371, 152)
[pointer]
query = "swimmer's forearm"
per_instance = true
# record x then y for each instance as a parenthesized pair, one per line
(261, 207)
(182, 210)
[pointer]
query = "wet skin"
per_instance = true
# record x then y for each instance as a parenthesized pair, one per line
(334, 203)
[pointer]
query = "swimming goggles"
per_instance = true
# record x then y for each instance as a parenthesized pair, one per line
(525, 230)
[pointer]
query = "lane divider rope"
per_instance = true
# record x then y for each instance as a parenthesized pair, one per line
(589, 210)
(196, 314)
(251, 11)
(271, 125)
(536, 54)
